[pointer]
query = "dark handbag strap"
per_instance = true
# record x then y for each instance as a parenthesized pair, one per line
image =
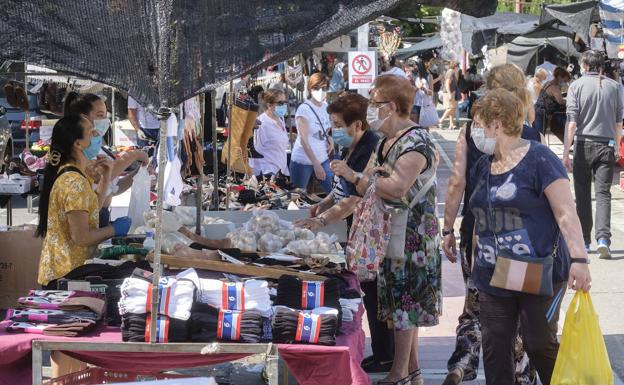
(69, 169)
(319, 122)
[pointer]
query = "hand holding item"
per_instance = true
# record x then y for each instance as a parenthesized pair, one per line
(340, 168)
(450, 247)
(314, 211)
(141, 156)
(312, 224)
(104, 166)
(121, 226)
(580, 279)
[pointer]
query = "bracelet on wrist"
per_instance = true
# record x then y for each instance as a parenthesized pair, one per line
(322, 220)
(447, 232)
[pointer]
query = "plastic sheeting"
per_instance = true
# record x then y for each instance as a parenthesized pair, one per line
(578, 16)
(477, 32)
(522, 49)
(433, 42)
(165, 51)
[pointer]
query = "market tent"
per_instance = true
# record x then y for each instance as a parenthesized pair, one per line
(477, 32)
(165, 51)
(523, 49)
(579, 16)
(423, 46)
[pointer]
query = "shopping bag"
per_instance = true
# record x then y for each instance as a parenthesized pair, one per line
(368, 237)
(139, 198)
(582, 358)
(428, 115)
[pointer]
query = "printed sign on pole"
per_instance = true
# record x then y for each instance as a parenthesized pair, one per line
(362, 69)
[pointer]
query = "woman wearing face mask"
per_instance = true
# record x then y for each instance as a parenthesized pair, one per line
(472, 145)
(524, 211)
(271, 138)
(68, 206)
(94, 108)
(403, 168)
(550, 107)
(310, 154)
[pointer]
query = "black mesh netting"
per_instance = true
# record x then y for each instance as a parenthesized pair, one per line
(165, 51)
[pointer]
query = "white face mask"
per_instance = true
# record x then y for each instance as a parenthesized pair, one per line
(319, 95)
(372, 115)
(484, 144)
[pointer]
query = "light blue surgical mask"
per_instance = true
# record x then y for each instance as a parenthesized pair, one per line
(281, 111)
(341, 137)
(94, 148)
(101, 126)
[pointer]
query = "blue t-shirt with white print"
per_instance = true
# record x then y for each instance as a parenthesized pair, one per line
(521, 216)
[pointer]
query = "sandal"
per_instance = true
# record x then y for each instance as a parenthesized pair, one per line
(403, 381)
(416, 377)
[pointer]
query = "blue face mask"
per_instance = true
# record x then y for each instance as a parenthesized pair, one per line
(341, 138)
(281, 110)
(101, 125)
(94, 148)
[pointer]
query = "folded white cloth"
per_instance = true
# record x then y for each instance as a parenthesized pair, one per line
(349, 306)
(319, 310)
(249, 295)
(175, 297)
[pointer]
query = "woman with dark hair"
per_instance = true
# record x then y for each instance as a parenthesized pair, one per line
(550, 107)
(68, 206)
(94, 109)
(310, 154)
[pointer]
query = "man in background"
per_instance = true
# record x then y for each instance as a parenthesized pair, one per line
(145, 123)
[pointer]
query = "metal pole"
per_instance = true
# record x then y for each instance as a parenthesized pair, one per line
(162, 160)
(229, 140)
(27, 113)
(200, 177)
(113, 112)
(215, 150)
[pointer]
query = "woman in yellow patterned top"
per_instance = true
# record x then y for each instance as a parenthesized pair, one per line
(68, 206)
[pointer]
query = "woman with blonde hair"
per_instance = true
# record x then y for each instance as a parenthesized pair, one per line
(310, 154)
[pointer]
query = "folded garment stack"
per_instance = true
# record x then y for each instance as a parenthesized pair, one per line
(209, 324)
(316, 326)
(307, 295)
(242, 296)
(136, 328)
(57, 312)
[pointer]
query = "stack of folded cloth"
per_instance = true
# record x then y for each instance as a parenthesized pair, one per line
(350, 307)
(308, 295)
(317, 326)
(174, 307)
(209, 324)
(57, 312)
(243, 296)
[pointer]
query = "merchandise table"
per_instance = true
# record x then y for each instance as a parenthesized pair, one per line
(21, 355)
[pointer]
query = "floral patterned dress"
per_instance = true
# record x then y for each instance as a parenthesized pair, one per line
(410, 289)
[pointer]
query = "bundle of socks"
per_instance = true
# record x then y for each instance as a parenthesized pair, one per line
(317, 326)
(136, 328)
(209, 324)
(307, 295)
(349, 308)
(243, 296)
(50, 316)
(63, 300)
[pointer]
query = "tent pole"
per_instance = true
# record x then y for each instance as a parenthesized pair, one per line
(200, 177)
(113, 112)
(163, 115)
(215, 150)
(229, 140)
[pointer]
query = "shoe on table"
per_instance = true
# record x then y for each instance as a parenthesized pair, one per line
(603, 249)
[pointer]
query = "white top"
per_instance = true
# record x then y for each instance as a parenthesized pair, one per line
(395, 71)
(146, 119)
(421, 96)
(316, 132)
(549, 68)
(270, 140)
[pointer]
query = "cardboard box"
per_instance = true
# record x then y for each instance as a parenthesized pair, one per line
(13, 185)
(19, 264)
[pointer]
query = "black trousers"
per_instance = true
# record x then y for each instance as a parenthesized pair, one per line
(382, 338)
(538, 318)
(594, 160)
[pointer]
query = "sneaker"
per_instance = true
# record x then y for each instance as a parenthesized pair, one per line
(603, 249)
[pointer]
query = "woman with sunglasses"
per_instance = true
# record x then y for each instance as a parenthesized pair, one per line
(271, 138)
(310, 154)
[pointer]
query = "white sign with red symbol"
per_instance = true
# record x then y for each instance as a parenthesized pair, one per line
(362, 69)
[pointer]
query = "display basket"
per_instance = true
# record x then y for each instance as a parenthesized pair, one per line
(92, 376)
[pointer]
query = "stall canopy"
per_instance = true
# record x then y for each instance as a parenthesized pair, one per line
(579, 16)
(477, 32)
(428, 44)
(165, 51)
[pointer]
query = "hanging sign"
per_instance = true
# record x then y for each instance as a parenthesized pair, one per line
(362, 69)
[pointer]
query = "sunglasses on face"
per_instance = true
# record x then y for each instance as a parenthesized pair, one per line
(325, 88)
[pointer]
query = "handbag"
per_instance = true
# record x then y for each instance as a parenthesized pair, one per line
(368, 237)
(398, 223)
(428, 115)
(521, 273)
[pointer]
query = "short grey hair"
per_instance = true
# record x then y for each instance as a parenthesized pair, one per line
(594, 60)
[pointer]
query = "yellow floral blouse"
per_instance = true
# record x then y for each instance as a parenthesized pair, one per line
(60, 255)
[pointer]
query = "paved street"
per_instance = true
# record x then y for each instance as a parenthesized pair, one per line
(437, 343)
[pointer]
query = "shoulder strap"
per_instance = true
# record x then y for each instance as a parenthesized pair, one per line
(319, 120)
(423, 190)
(70, 168)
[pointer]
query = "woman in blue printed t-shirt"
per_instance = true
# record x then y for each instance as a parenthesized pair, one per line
(523, 211)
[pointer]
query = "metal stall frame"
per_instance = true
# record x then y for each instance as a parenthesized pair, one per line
(269, 350)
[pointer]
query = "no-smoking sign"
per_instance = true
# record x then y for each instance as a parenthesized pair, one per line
(362, 70)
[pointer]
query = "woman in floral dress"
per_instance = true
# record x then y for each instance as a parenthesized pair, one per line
(409, 284)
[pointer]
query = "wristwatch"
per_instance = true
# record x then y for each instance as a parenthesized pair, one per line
(580, 260)
(447, 232)
(358, 177)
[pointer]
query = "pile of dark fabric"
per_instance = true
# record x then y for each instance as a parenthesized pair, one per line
(298, 327)
(209, 324)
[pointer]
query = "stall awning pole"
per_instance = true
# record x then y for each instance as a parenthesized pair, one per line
(215, 151)
(163, 115)
(200, 177)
